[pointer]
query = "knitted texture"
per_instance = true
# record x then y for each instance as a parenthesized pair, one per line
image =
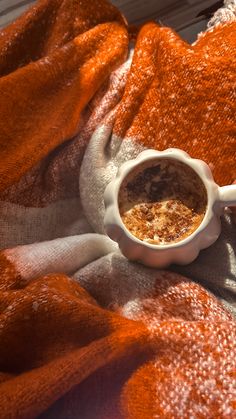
(84, 332)
(226, 13)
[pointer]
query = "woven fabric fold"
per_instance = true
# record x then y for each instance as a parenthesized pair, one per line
(83, 331)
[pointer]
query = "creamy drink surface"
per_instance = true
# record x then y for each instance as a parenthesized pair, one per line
(162, 202)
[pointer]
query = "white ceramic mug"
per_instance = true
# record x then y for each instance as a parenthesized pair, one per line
(186, 250)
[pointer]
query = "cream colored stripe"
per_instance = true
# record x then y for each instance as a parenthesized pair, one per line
(21, 225)
(65, 255)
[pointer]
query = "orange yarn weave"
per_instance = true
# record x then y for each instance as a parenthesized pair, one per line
(63, 54)
(184, 96)
(61, 350)
(132, 346)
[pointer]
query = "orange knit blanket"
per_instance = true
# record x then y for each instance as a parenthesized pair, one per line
(84, 333)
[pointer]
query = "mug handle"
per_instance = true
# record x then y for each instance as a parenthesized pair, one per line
(228, 196)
